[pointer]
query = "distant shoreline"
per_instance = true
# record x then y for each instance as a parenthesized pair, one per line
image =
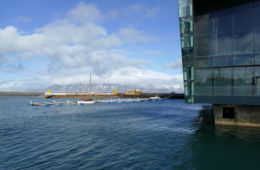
(143, 95)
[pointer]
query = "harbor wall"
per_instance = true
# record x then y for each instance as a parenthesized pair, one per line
(20, 93)
(119, 95)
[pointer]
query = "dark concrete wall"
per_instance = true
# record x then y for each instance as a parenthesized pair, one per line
(244, 115)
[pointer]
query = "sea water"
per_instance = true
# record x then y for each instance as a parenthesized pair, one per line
(165, 134)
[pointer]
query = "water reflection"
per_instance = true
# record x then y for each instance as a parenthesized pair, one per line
(222, 147)
(241, 133)
(205, 117)
(204, 123)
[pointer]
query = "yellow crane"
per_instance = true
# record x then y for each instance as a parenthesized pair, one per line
(114, 92)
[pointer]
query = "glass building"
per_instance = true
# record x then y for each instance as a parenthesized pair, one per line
(220, 42)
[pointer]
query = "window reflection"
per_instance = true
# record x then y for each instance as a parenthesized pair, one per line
(223, 81)
(244, 59)
(257, 39)
(257, 80)
(228, 40)
(204, 61)
(223, 21)
(223, 60)
(204, 45)
(243, 16)
(203, 83)
(223, 43)
(222, 4)
(243, 81)
(257, 13)
(187, 60)
(203, 24)
(257, 58)
(243, 42)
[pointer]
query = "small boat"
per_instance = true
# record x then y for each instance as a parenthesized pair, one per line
(86, 101)
(155, 98)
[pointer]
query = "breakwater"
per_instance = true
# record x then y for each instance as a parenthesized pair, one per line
(119, 95)
(20, 93)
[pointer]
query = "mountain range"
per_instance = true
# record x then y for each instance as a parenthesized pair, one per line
(108, 88)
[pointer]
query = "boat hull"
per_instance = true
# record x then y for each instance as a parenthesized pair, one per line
(85, 102)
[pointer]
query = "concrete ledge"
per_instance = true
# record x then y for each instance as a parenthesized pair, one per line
(236, 124)
(237, 115)
(234, 100)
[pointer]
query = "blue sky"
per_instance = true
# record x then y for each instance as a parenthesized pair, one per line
(47, 42)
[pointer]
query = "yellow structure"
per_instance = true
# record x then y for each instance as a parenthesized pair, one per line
(48, 91)
(133, 92)
(114, 92)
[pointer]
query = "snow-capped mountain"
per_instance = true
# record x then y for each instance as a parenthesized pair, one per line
(108, 88)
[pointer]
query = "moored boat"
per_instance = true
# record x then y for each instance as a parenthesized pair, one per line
(86, 101)
(155, 98)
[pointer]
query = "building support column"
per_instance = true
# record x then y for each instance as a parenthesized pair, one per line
(237, 115)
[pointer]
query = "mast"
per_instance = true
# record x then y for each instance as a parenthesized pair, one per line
(90, 83)
(80, 88)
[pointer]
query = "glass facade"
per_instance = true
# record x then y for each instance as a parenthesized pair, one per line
(220, 43)
(186, 31)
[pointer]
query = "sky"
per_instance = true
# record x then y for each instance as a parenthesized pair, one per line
(47, 42)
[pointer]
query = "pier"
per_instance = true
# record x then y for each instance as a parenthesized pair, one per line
(108, 101)
(20, 93)
(110, 95)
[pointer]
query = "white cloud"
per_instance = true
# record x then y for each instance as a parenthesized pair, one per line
(75, 49)
(150, 12)
(11, 85)
(123, 76)
(175, 65)
(141, 10)
(153, 52)
(85, 13)
(112, 14)
(133, 35)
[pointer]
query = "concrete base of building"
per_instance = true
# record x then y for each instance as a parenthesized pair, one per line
(237, 115)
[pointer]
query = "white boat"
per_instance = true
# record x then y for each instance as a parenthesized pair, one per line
(88, 101)
(155, 98)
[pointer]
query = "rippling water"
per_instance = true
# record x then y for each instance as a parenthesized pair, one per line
(147, 135)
